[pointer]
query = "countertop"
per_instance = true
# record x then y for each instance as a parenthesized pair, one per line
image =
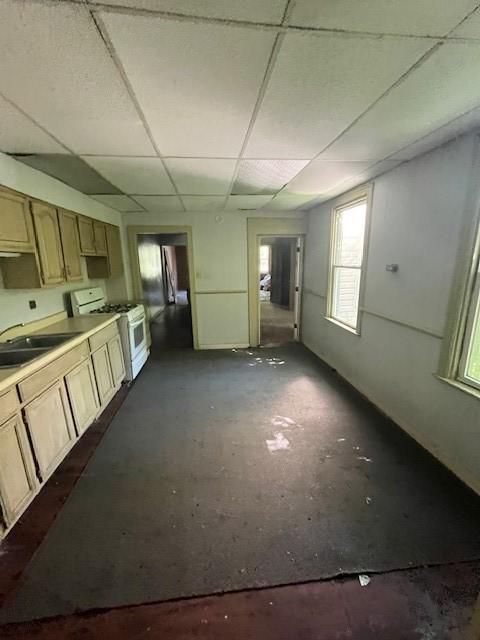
(88, 325)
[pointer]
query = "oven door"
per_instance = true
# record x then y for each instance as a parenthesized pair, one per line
(137, 333)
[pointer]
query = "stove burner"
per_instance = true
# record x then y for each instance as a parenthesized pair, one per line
(115, 308)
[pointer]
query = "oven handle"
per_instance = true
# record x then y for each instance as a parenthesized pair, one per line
(134, 325)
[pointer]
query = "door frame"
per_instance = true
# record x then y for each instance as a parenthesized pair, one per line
(256, 229)
(133, 231)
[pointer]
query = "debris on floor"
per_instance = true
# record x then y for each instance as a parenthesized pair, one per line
(364, 580)
(364, 458)
(280, 442)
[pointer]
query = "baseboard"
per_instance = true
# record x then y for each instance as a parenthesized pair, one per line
(425, 443)
(242, 345)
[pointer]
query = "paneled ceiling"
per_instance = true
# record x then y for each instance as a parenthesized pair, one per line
(212, 105)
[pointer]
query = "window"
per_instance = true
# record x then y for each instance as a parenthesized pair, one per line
(346, 262)
(469, 369)
(264, 259)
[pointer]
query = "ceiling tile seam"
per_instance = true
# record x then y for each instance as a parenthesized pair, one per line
(416, 65)
(261, 94)
(103, 33)
(37, 124)
(264, 26)
(138, 205)
(430, 133)
(397, 83)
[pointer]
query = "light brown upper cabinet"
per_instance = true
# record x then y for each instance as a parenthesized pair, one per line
(71, 245)
(16, 232)
(87, 238)
(114, 246)
(49, 246)
(100, 235)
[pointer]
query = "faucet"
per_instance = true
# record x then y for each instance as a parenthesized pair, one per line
(20, 324)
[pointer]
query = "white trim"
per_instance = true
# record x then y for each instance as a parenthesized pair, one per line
(347, 200)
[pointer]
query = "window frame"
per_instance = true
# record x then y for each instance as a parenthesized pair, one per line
(473, 316)
(347, 200)
(466, 283)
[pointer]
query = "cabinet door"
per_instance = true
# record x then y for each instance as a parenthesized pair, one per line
(18, 482)
(83, 395)
(103, 374)
(51, 427)
(70, 245)
(115, 353)
(87, 239)
(114, 246)
(48, 242)
(100, 235)
(16, 233)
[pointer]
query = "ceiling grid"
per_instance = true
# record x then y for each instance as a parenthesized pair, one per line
(202, 105)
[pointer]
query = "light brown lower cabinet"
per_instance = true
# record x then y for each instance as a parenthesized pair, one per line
(117, 364)
(51, 427)
(18, 482)
(82, 391)
(103, 374)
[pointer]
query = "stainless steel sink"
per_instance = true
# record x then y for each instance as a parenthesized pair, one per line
(22, 350)
(19, 357)
(47, 340)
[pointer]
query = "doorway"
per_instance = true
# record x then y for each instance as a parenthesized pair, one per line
(165, 283)
(279, 286)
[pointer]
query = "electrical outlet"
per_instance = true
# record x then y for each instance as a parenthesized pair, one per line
(32, 304)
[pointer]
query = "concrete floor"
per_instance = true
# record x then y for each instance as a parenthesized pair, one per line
(188, 475)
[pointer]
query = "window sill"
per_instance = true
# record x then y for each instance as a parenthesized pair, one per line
(355, 332)
(458, 384)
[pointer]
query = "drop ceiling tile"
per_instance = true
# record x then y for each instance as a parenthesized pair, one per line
(464, 123)
(470, 28)
(415, 17)
(267, 11)
(71, 170)
(206, 80)
(160, 204)
(201, 176)
(371, 173)
(18, 134)
(287, 202)
(246, 202)
(118, 202)
(66, 80)
(320, 176)
(265, 176)
(431, 96)
(204, 203)
(319, 85)
(134, 175)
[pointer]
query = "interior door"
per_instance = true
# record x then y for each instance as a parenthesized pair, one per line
(45, 220)
(298, 282)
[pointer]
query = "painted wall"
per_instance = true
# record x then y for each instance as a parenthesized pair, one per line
(220, 270)
(416, 221)
(14, 305)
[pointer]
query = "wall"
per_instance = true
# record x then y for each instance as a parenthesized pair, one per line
(417, 217)
(220, 275)
(14, 303)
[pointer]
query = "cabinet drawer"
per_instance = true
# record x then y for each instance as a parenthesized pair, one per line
(102, 337)
(8, 404)
(44, 377)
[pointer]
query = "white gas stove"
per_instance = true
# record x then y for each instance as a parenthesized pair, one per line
(132, 325)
